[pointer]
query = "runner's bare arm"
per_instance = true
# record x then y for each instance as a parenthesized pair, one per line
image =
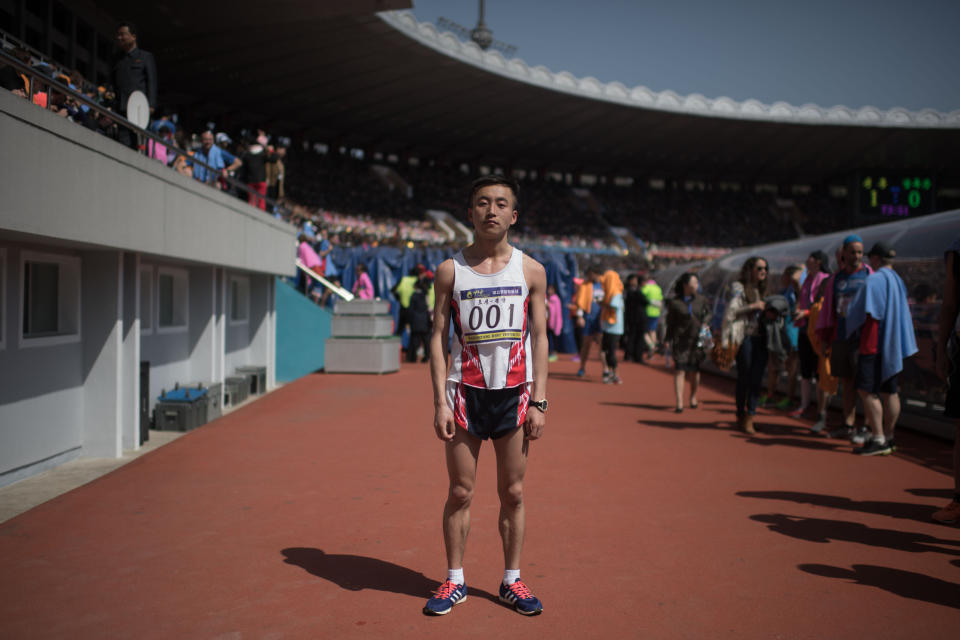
(443, 289)
(536, 278)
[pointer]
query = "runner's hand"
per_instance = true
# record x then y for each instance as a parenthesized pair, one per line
(443, 423)
(533, 425)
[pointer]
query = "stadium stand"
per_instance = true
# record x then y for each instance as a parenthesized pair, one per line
(631, 176)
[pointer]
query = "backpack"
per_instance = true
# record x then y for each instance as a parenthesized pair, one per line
(774, 319)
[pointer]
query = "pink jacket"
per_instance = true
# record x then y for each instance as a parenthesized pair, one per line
(308, 256)
(555, 311)
(363, 287)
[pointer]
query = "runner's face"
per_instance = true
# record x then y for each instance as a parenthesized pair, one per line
(853, 256)
(494, 210)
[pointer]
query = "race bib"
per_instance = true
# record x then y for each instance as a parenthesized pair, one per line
(491, 314)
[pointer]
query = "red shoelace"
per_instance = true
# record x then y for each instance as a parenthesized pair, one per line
(520, 590)
(446, 589)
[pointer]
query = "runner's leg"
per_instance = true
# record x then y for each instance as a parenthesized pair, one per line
(512, 451)
(462, 454)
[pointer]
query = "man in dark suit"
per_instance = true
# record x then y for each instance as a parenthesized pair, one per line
(133, 70)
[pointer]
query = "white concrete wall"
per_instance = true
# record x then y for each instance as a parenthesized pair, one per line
(108, 211)
(41, 387)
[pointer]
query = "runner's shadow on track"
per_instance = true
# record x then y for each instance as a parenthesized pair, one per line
(819, 445)
(572, 377)
(638, 405)
(780, 429)
(905, 584)
(680, 424)
(356, 573)
(903, 510)
(945, 494)
(823, 531)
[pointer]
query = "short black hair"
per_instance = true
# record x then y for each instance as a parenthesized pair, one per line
(494, 179)
(131, 27)
(682, 281)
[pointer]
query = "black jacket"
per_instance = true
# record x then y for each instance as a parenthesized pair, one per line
(134, 71)
(418, 313)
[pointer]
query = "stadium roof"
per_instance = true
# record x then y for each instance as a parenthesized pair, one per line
(339, 73)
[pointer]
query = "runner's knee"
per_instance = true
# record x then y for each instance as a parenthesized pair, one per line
(460, 495)
(511, 496)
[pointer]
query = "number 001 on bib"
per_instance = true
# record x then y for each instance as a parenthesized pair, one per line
(489, 314)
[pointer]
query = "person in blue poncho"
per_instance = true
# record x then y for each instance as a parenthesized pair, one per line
(882, 314)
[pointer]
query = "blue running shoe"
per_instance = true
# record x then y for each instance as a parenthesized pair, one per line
(519, 595)
(449, 594)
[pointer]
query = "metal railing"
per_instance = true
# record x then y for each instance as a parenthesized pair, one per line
(38, 78)
(339, 291)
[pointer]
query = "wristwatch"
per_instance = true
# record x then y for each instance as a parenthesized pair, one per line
(542, 405)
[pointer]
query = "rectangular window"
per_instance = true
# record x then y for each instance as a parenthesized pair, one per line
(50, 299)
(41, 299)
(146, 299)
(239, 299)
(171, 299)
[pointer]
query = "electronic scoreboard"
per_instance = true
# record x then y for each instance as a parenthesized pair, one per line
(895, 195)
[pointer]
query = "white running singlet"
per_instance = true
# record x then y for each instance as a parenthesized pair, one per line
(491, 346)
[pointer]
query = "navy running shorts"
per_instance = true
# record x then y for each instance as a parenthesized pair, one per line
(868, 376)
(592, 325)
(488, 413)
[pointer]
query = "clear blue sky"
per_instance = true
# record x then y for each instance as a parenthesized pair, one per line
(851, 52)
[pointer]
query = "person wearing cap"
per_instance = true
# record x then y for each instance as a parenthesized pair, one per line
(880, 314)
(841, 288)
(156, 150)
(220, 159)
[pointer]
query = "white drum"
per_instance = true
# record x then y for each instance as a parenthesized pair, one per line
(138, 109)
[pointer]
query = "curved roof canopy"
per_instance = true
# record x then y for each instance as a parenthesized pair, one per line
(351, 77)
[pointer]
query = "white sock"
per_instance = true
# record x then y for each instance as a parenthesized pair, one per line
(879, 439)
(510, 576)
(455, 575)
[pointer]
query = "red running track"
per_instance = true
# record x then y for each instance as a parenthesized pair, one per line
(315, 513)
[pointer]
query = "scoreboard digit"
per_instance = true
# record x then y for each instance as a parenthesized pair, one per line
(898, 196)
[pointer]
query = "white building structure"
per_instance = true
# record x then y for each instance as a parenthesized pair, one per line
(107, 259)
